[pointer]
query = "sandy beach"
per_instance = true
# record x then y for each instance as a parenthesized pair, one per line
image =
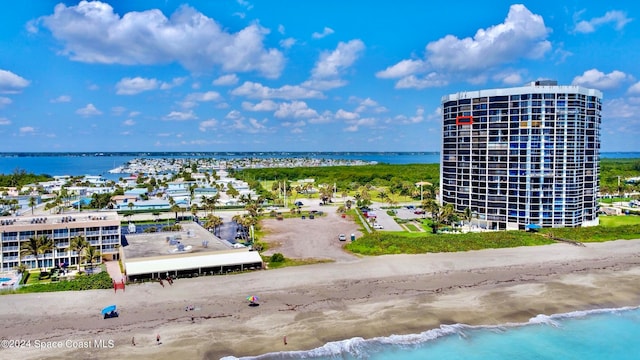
(312, 305)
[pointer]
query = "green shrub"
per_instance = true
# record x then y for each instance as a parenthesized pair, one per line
(101, 280)
(277, 258)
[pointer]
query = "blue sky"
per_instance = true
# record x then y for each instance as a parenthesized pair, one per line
(241, 75)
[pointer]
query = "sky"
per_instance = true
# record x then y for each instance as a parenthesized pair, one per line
(288, 75)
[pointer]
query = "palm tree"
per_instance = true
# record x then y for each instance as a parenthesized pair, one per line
(79, 244)
(325, 194)
(175, 208)
(36, 246)
(32, 203)
(21, 269)
(90, 255)
(212, 222)
(467, 215)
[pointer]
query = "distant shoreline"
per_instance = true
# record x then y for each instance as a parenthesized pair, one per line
(242, 153)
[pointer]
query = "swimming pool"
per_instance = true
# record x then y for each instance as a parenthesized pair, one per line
(5, 279)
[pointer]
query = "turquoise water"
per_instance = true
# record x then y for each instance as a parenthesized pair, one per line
(588, 335)
(5, 279)
(92, 164)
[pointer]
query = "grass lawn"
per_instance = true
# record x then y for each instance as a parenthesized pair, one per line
(611, 221)
(411, 227)
(616, 199)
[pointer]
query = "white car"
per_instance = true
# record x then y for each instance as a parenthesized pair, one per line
(378, 226)
(342, 237)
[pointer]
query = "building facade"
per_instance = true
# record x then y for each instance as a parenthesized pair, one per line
(100, 229)
(523, 156)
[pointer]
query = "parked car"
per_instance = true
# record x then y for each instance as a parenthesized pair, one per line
(419, 212)
(378, 226)
(342, 237)
(298, 203)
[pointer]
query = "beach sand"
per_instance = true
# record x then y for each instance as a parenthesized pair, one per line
(312, 305)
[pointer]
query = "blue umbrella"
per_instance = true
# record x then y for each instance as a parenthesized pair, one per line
(108, 309)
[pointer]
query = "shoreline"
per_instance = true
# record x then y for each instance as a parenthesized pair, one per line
(316, 304)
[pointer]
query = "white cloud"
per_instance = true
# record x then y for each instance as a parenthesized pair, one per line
(175, 82)
(509, 77)
(264, 105)
(134, 113)
(136, 85)
(634, 89)
(296, 110)
(521, 35)
(618, 18)
(148, 37)
(597, 79)
(180, 116)
(287, 43)
(298, 123)
(401, 69)
(128, 122)
(226, 80)
(26, 130)
(246, 4)
(413, 82)
(346, 115)
(325, 32)
(193, 99)
(331, 63)
(4, 121)
(356, 124)
(11, 83)
(4, 101)
(288, 92)
(281, 29)
(366, 104)
(61, 99)
(323, 84)
(207, 124)
(89, 110)
(407, 120)
(237, 122)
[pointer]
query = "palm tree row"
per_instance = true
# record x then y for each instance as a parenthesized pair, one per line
(42, 244)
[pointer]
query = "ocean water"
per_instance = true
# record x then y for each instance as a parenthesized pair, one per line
(585, 335)
(100, 164)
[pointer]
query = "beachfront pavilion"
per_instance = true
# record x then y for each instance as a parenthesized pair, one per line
(192, 251)
(192, 265)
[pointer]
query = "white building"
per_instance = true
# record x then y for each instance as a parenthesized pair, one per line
(524, 155)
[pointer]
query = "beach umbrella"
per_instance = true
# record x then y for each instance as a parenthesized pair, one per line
(533, 227)
(108, 309)
(252, 298)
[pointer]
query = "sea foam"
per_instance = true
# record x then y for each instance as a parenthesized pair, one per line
(360, 348)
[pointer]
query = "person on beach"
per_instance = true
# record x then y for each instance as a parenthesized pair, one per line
(158, 339)
(284, 339)
(161, 283)
(133, 341)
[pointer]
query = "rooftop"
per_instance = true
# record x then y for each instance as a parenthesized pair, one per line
(164, 243)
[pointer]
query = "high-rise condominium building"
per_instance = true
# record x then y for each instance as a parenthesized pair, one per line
(522, 157)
